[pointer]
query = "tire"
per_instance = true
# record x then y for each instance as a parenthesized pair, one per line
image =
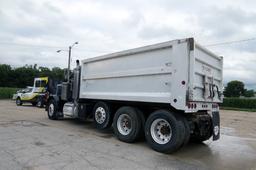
(52, 110)
(127, 124)
(39, 102)
(142, 118)
(34, 103)
(187, 132)
(18, 102)
(102, 116)
(164, 132)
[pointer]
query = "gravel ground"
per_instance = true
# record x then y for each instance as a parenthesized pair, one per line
(29, 140)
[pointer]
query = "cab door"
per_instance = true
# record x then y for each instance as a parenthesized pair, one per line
(27, 94)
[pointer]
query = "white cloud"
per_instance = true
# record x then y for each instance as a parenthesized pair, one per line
(107, 26)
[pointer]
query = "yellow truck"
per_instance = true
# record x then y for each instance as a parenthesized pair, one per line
(35, 95)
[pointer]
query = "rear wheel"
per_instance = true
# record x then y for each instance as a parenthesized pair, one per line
(102, 115)
(52, 110)
(40, 103)
(164, 132)
(127, 124)
(18, 102)
(186, 132)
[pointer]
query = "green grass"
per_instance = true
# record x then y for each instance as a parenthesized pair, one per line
(7, 92)
(241, 103)
(238, 109)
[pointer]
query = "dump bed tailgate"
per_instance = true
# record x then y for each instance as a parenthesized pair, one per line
(205, 80)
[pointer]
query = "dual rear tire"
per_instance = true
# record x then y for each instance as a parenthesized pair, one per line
(128, 124)
(127, 121)
(164, 131)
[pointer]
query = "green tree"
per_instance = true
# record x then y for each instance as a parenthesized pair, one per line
(5, 71)
(24, 76)
(57, 73)
(234, 89)
(249, 93)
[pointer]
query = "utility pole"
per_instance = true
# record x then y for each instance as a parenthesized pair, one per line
(69, 58)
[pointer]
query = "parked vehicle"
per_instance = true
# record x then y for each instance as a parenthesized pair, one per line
(35, 95)
(168, 92)
(14, 97)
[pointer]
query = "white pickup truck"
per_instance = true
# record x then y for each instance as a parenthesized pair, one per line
(168, 92)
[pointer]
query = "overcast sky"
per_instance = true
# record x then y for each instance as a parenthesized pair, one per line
(31, 31)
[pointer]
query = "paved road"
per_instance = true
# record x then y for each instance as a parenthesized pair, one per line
(28, 140)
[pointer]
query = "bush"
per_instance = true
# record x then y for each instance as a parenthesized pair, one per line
(7, 92)
(239, 103)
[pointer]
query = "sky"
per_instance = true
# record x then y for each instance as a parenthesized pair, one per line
(32, 31)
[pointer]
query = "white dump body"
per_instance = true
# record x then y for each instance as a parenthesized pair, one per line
(175, 72)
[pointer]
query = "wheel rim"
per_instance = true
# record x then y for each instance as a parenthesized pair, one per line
(18, 101)
(51, 109)
(124, 124)
(39, 103)
(100, 115)
(161, 131)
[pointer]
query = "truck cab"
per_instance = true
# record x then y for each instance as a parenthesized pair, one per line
(34, 95)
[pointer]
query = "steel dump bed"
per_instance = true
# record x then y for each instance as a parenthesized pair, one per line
(175, 72)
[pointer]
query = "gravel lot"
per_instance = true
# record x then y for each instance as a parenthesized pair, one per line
(29, 140)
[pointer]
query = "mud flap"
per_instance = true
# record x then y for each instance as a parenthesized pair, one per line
(216, 125)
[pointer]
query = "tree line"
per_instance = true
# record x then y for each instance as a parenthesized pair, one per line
(21, 77)
(236, 88)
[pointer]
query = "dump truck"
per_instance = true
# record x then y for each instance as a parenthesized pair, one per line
(167, 93)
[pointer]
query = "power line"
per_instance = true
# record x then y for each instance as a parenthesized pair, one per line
(61, 47)
(230, 42)
(46, 47)
(31, 45)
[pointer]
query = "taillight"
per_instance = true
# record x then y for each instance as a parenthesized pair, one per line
(215, 105)
(192, 105)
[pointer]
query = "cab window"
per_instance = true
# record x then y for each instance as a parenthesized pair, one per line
(38, 83)
(43, 83)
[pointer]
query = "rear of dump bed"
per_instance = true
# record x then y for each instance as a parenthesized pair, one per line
(174, 72)
(205, 80)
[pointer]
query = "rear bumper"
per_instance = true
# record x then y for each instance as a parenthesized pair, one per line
(193, 107)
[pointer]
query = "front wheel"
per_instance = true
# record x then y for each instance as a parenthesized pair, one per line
(163, 131)
(52, 110)
(18, 102)
(102, 115)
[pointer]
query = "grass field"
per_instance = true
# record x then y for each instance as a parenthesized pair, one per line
(238, 109)
(240, 104)
(7, 92)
